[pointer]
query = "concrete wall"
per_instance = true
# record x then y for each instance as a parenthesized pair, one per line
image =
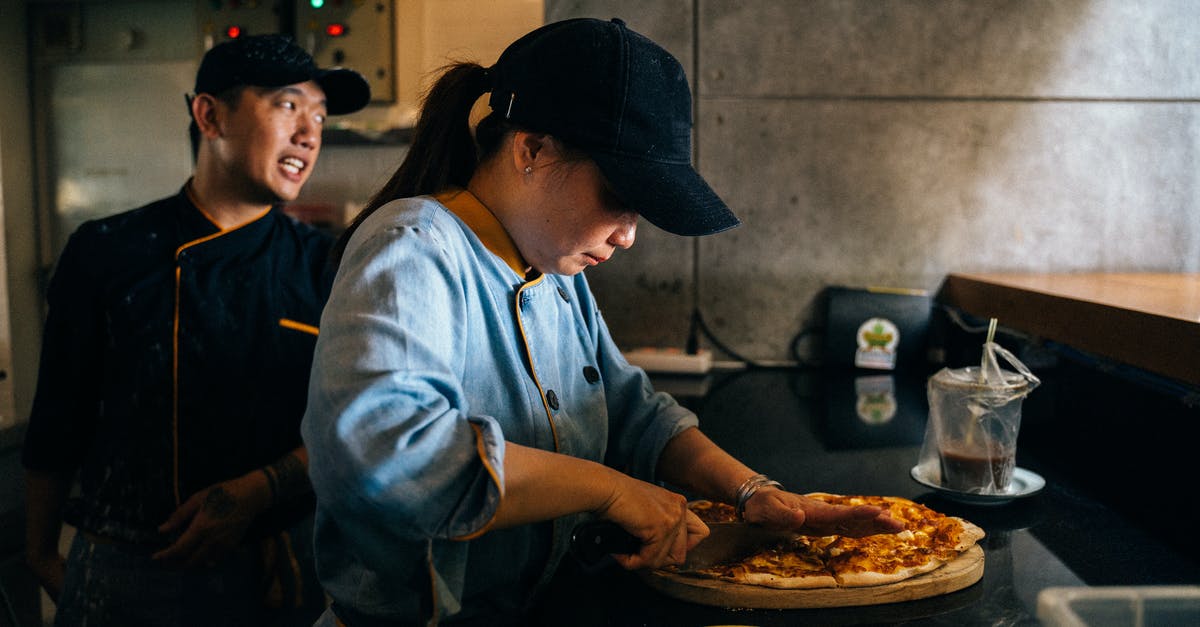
(868, 142)
(889, 142)
(23, 318)
(22, 273)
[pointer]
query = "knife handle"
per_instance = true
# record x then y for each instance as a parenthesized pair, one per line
(591, 541)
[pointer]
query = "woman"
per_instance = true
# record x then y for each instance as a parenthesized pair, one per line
(468, 406)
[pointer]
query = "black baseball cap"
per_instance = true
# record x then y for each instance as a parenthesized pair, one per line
(623, 100)
(276, 61)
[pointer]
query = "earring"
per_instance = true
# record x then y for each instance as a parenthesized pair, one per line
(529, 169)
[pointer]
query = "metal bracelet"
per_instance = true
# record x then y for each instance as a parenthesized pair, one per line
(749, 487)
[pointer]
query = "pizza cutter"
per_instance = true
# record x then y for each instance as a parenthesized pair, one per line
(726, 541)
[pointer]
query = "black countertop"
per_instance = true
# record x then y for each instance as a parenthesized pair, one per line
(802, 428)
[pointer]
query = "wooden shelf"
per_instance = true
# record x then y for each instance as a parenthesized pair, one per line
(1147, 320)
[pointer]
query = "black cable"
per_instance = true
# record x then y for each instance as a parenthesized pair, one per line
(794, 349)
(693, 338)
(699, 323)
(698, 326)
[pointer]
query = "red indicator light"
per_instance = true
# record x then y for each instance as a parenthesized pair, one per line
(233, 32)
(335, 29)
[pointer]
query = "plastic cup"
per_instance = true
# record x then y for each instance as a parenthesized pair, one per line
(974, 428)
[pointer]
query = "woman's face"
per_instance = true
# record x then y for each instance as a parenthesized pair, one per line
(573, 220)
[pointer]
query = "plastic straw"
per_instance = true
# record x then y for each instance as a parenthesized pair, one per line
(984, 359)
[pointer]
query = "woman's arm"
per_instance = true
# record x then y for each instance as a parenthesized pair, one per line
(692, 461)
(541, 485)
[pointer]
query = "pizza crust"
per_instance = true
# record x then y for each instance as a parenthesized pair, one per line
(806, 582)
(971, 534)
(872, 578)
(930, 539)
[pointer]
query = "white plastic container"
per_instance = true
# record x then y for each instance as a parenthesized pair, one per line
(1119, 606)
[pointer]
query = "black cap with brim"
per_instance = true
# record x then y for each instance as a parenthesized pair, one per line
(276, 61)
(346, 91)
(672, 196)
(623, 100)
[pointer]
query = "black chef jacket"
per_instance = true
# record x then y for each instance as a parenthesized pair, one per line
(176, 355)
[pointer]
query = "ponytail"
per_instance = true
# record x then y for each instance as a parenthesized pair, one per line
(442, 153)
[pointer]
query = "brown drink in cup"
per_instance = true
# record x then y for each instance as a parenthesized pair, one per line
(973, 428)
(968, 470)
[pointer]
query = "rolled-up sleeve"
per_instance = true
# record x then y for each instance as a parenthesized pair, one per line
(388, 428)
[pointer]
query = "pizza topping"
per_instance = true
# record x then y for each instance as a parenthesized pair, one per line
(778, 567)
(710, 511)
(929, 539)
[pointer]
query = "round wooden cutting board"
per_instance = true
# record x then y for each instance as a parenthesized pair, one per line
(955, 575)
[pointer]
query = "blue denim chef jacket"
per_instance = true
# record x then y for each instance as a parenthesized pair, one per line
(434, 351)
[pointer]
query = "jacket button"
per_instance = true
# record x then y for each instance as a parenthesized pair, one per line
(552, 399)
(591, 374)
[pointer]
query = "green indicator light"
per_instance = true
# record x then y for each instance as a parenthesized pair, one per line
(316, 4)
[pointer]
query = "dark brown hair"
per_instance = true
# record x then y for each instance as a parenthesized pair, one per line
(443, 152)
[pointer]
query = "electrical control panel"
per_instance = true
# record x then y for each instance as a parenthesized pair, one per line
(358, 34)
(223, 20)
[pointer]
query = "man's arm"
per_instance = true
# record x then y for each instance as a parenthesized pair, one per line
(45, 494)
(215, 520)
(287, 478)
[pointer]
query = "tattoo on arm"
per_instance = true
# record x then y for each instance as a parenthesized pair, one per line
(219, 503)
(287, 478)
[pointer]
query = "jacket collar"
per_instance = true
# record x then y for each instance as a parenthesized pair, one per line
(190, 192)
(196, 225)
(486, 227)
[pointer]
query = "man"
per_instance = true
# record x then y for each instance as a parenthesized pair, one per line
(174, 370)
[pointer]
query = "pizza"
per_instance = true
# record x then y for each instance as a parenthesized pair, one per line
(712, 511)
(929, 540)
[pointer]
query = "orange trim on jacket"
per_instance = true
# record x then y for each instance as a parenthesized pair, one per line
(482, 452)
(484, 224)
(175, 332)
(299, 326)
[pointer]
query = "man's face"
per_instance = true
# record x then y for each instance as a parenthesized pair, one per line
(271, 140)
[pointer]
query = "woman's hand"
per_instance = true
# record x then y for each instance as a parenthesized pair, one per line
(778, 509)
(659, 517)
